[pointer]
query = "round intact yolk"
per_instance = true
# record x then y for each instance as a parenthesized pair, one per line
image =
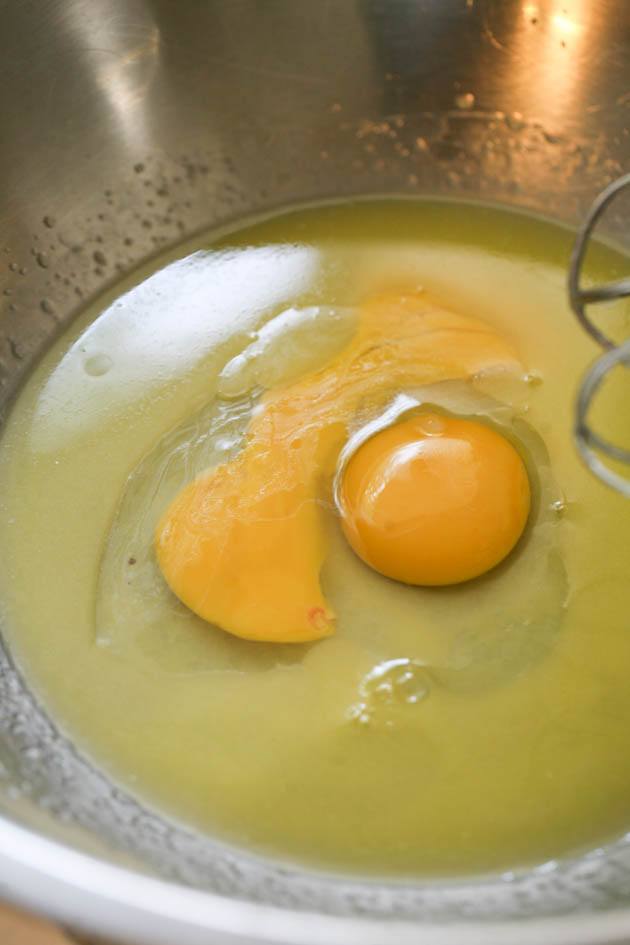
(434, 500)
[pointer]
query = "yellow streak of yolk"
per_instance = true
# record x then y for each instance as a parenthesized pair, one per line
(242, 546)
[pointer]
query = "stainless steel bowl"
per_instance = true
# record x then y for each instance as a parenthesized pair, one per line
(126, 125)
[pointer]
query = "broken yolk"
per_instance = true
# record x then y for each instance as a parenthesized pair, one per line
(242, 545)
(434, 500)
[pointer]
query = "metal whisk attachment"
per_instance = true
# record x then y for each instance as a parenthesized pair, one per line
(594, 448)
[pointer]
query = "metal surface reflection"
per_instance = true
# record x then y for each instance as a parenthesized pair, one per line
(550, 44)
(124, 52)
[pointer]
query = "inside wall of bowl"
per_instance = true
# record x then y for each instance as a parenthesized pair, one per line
(130, 132)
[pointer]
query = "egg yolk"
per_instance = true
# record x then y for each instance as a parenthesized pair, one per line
(243, 544)
(434, 500)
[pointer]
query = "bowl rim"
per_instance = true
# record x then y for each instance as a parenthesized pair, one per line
(90, 895)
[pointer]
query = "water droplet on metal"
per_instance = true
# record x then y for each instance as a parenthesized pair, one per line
(551, 138)
(16, 349)
(514, 121)
(465, 100)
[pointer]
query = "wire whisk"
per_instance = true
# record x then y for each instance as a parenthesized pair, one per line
(593, 447)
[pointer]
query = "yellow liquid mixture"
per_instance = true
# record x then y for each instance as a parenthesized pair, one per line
(439, 731)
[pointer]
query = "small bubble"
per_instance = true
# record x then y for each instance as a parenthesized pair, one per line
(383, 692)
(128, 241)
(8, 291)
(49, 221)
(533, 379)
(42, 260)
(411, 686)
(139, 167)
(559, 506)
(357, 715)
(397, 682)
(23, 270)
(431, 424)
(47, 306)
(13, 266)
(99, 257)
(98, 364)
